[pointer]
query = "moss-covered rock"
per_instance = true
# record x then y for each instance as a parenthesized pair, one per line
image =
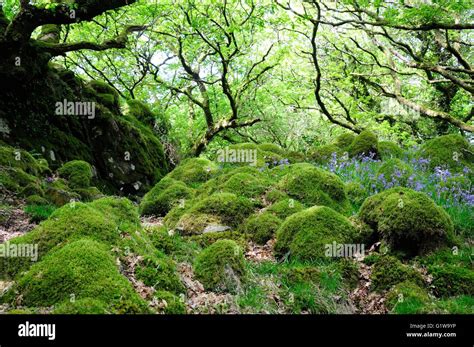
(407, 298)
(388, 150)
(194, 171)
(36, 200)
(306, 234)
(365, 144)
(163, 197)
(32, 189)
(198, 223)
(452, 151)
(343, 141)
(69, 223)
(271, 147)
(141, 111)
(159, 273)
(83, 269)
(388, 271)
(82, 306)
(395, 171)
(275, 195)
(243, 184)
(314, 186)
(59, 193)
(284, 208)
(20, 159)
(261, 227)
(120, 210)
(221, 266)
(105, 94)
(356, 193)
(452, 280)
(409, 221)
(169, 303)
(14, 179)
(78, 173)
(323, 154)
(230, 208)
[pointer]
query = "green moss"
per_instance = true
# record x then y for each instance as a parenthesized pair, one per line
(349, 270)
(356, 193)
(163, 241)
(230, 208)
(388, 150)
(119, 210)
(194, 171)
(300, 274)
(82, 306)
(105, 94)
(407, 298)
(305, 234)
(6, 211)
(388, 271)
(196, 223)
(84, 269)
(365, 144)
(221, 266)
(163, 197)
(295, 157)
(32, 189)
(323, 154)
(275, 195)
(36, 200)
(207, 239)
(314, 186)
(168, 303)
(344, 140)
(173, 216)
(77, 172)
(261, 227)
(59, 194)
(13, 179)
(444, 150)
(270, 147)
(159, 273)
(243, 184)
(141, 111)
(396, 171)
(38, 213)
(69, 223)
(89, 194)
(452, 280)
(19, 159)
(409, 221)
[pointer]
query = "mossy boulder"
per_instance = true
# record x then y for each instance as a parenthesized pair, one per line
(365, 144)
(314, 186)
(198, 223)
(82, 306)
(395, 171)
(59, 193)
(230, 208)
(356, 193)
(83, 269)
(284, 208)
(221, 266)
(20, 159)
(78, 173)
(163, 197)
(389, 271)
(409, 221)
(243, 184)
(105, 94)
(36, 200)
(120, 210)
(306, 234)
(388, 150)
(407, 298)
(70, 223)
(452, 151)
(261, 227)
(452, 280)
(169, 303)
(324, 154)
(141, 111)
(159, 273)
(344, 140)
(271, 147)
(15, 179)
(194, 171)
